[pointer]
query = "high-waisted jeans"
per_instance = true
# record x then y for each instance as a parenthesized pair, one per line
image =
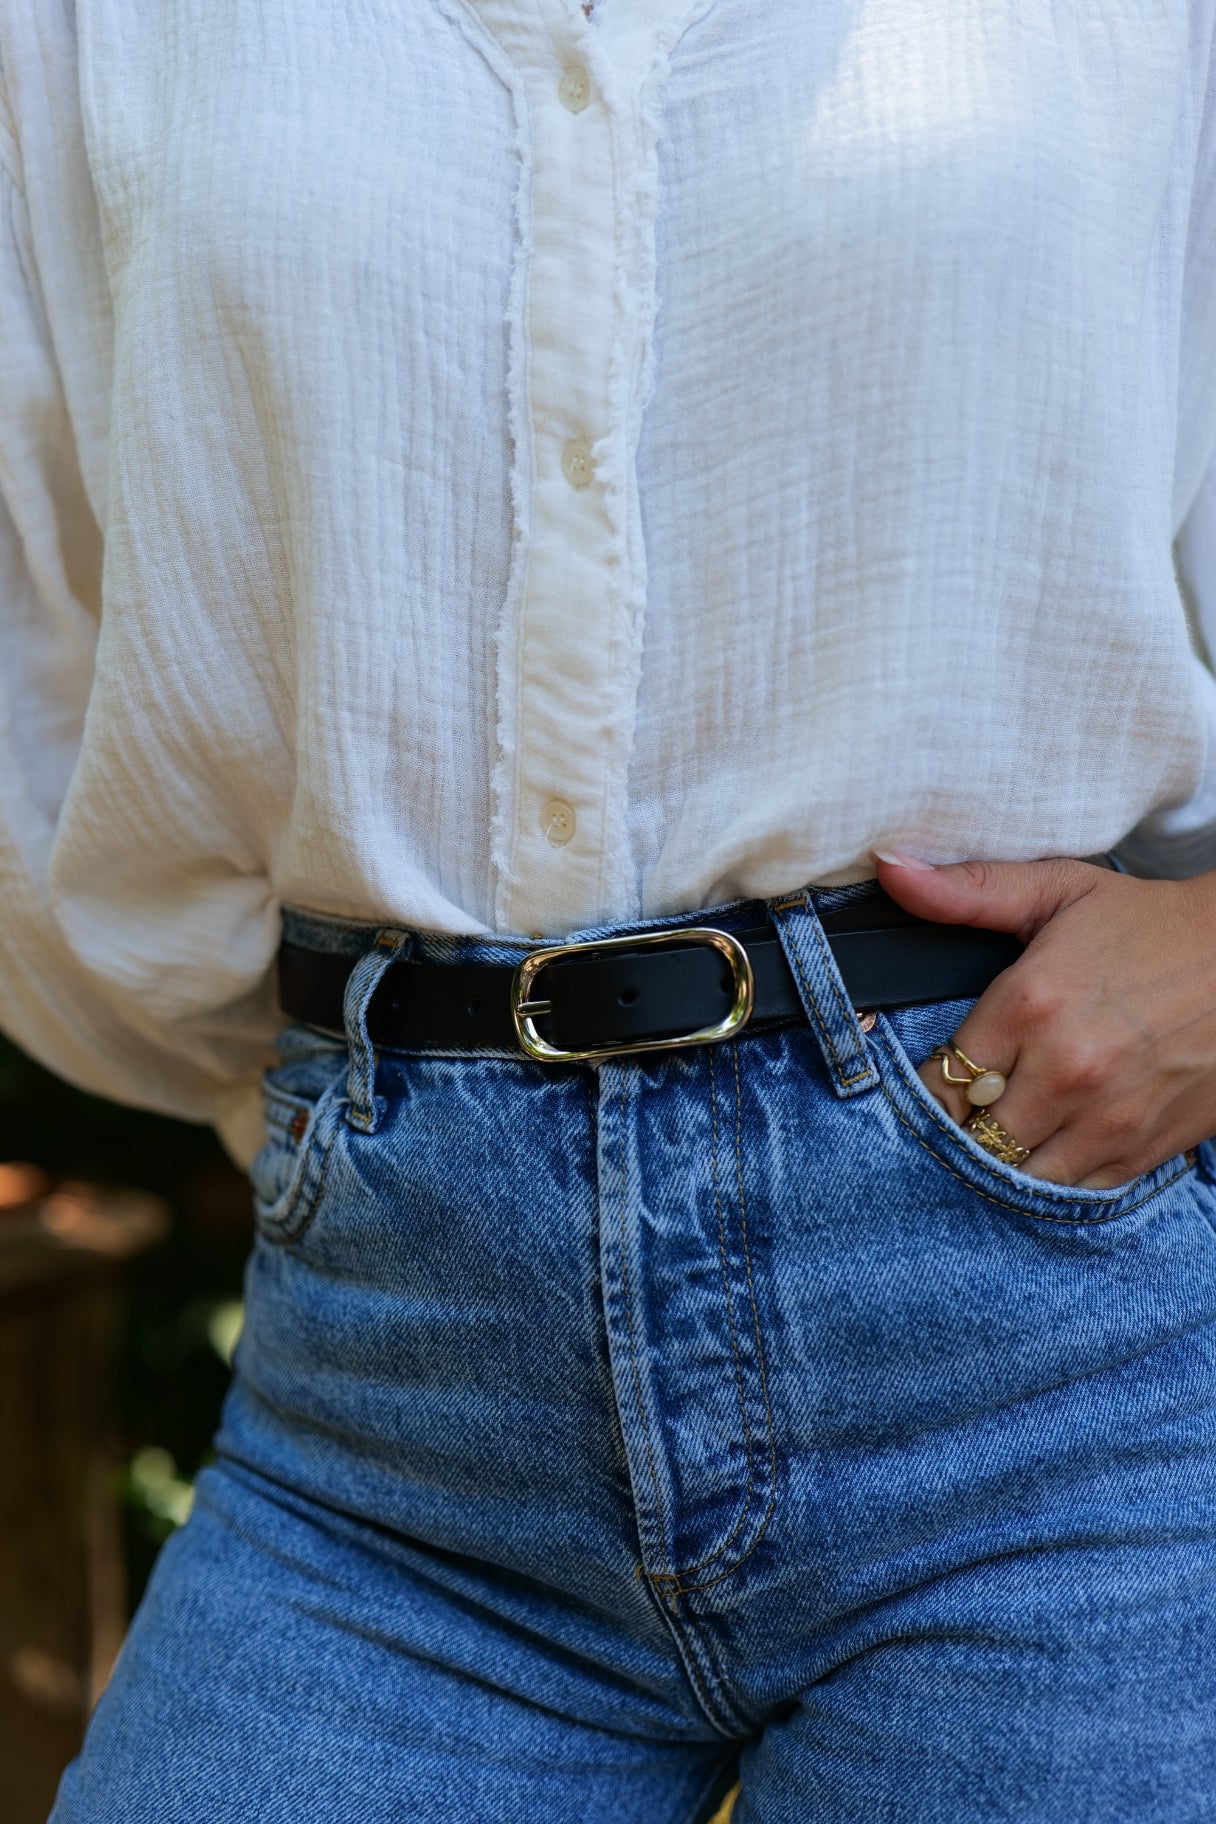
(603, 1434)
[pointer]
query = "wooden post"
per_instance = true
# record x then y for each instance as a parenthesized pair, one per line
(61, 1585)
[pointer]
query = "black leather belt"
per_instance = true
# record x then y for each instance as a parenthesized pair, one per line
(650, 989)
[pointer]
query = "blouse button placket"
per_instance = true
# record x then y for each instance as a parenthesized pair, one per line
(568, 656)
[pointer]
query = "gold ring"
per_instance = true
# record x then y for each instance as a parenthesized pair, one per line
(983, 1086)
(995, 1139)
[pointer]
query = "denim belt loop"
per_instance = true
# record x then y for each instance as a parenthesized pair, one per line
(832, 1018)
(365, 1106)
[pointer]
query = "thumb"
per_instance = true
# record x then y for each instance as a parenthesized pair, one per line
(1016, 896)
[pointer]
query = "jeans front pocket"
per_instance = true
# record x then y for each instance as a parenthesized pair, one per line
(903, 1040)
(304, 1099)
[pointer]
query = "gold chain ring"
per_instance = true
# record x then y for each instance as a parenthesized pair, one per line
(995, 1139)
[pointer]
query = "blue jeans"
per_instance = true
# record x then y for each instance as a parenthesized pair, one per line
(602, 1434)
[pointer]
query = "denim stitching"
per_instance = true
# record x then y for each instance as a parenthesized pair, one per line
(815, 1015)
(633, 1354)
(299, 1157)
(674, 1583)
(693, 1625)
(847, 1013)
(1023, 1209)
(363, 1118)
(679, 1589)
(689, 1662)
(294, 1224)
(289, 1104)
(751, 1290)
(1045, 1188)
(394, 944)
(813, 1008)
(286, 1125)
(740, 1724)
(687, 1570)
(305, 1221)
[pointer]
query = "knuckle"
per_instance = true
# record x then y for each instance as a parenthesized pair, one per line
(1036, 1002)
(1124, 1133)
(1084, 1069)
(979, 874)
(1108, 1125)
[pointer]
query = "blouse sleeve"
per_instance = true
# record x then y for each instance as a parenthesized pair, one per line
(1194, 495)
(51, 1003)
(1180, 840)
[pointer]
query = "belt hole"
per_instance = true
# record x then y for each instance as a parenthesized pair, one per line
(627, 997)
(473, 1008)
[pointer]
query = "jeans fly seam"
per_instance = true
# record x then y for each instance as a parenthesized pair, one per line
(675, 1584)
(740, 1723)
(1021, 1209)
(633, 1353)
(688, 1637)
(810, 1003)
(726, 1544)
(710, 1687)
(751, 1292)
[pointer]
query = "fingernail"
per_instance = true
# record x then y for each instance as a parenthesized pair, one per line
(903, 861)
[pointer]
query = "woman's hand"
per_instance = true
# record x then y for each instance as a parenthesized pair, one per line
(1105, 1026)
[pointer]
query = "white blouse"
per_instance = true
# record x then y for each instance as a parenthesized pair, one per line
(499, 465)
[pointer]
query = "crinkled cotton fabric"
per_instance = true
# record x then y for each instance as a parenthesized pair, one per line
(492, 467)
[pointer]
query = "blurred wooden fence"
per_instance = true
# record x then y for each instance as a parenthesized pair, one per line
(62, 1600)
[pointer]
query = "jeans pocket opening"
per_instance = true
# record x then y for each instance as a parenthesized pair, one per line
(289, 1173)
(932, 1128)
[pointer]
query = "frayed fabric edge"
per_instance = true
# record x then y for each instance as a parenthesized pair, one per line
(506, 641)
(632, 369)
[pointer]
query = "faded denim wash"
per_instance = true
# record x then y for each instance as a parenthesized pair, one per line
(599, 1435)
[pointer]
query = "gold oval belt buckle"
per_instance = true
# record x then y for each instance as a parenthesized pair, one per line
(524, 1008)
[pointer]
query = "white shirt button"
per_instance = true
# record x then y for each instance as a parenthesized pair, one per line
(578, 465)
(557, 821)
(574, 89)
